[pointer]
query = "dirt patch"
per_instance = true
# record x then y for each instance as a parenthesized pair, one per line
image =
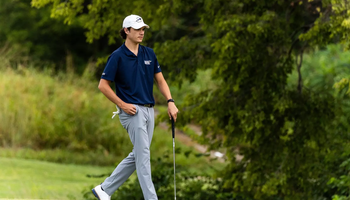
(188, 141)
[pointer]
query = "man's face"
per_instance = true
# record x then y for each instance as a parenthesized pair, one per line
(135, 35)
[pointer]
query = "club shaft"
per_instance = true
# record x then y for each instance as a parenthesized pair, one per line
(173, 133)
(174, 169)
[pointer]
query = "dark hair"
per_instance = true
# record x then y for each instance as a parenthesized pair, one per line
(122, 33)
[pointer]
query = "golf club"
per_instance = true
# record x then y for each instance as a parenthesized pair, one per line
(173, 130)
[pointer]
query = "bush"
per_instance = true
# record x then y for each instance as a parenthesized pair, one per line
(40, 110)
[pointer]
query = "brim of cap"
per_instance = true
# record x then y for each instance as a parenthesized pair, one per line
(138, 26)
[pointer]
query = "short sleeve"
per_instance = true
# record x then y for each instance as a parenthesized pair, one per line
(110, 70)
(156, 65)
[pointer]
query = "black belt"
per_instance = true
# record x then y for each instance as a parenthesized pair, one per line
(146, 105)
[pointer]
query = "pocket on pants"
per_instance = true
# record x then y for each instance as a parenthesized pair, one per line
(137, 110)
(126, 119)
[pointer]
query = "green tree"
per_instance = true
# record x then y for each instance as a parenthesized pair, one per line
(32, 33)
(321, 70)
(285, 134)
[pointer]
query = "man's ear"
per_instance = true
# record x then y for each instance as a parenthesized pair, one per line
(126, 30)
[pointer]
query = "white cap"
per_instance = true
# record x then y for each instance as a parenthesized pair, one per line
(134, 21)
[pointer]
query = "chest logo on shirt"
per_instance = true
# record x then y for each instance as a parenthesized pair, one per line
(148, 62)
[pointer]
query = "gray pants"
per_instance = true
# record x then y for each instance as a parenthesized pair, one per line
(140, 128)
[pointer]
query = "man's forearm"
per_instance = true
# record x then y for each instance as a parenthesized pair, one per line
(109, 93)
(164, 89)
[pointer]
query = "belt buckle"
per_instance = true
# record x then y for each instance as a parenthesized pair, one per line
(148, 105)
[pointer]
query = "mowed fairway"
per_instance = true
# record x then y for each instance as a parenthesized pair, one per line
(31, 179)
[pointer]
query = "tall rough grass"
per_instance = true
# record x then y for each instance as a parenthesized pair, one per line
(40, 110)
(64, 118)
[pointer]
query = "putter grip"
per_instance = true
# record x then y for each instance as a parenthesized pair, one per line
(173, 126)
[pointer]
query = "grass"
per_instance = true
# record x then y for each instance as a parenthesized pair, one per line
(96, 158)
(161, 147)
(32, 179)
(40, 110)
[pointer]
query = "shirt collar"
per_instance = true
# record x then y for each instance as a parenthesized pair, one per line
(128, 52)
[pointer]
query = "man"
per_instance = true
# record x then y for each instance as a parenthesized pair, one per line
(133, 67)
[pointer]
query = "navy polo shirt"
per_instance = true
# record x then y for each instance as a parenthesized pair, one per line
(133, 75)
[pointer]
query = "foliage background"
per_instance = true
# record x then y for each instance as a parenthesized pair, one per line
(270, 96)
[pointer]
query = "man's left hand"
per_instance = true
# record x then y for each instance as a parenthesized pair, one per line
(172, 110)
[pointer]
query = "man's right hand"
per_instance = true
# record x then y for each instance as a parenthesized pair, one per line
(128, 108)
(106, 89)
